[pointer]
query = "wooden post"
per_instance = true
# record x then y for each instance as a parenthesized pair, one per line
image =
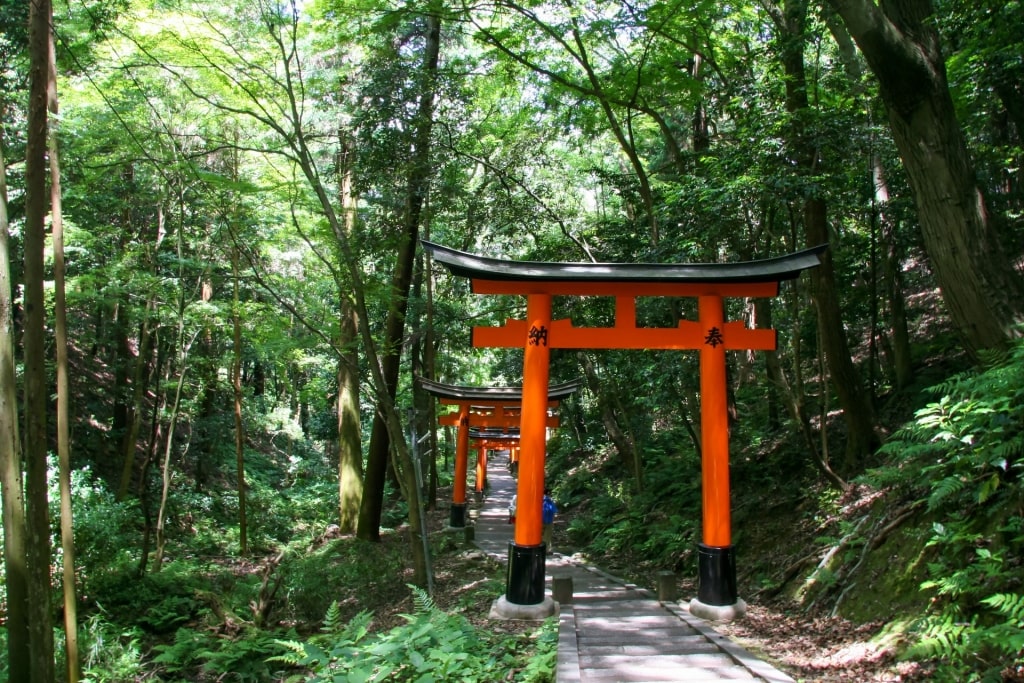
(716, 562)
(458, 511)
(714, 425)
(481, 470)
(525, 585)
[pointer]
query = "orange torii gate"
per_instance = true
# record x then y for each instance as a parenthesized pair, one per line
(484, 407)
(711, 334)
(488, 439)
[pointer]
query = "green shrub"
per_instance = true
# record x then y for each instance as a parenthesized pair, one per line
(431, 646)
(202, 655)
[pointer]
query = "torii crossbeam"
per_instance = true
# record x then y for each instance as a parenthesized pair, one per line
(711, 334)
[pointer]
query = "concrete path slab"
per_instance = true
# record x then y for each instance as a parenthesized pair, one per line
(613, 631)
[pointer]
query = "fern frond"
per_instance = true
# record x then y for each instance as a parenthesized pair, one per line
(357, 627)
(332, 619)
(943, 489)
(300, 654)
(422, 601)
(1009, 605)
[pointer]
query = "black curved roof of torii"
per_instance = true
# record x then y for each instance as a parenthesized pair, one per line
(774, 269)
(556, 392)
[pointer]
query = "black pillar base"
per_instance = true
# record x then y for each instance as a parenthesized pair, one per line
(458, 515)
(525, 580)
(716, 570)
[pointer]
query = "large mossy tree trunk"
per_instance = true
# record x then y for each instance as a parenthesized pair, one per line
(983, 292)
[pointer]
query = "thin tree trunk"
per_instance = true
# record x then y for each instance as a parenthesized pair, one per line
(34, 340)
(421, 400)
(419, 179)
(623, 441)
(129, 444)
(350, 447)
(903, 368)
(11, 482)
(183, 347)
(858, 412)
(236, 384)
(165, 468)
(430, 368)
(67, 536)
(151, 452)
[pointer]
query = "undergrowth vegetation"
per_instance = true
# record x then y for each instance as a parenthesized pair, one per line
(961, 460)
(208, 614)
(431, 645)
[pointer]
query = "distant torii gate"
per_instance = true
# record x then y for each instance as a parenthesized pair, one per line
(711, 334)
(492, 439)
(485, 407)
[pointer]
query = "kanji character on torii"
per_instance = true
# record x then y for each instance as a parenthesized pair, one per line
(711, 334)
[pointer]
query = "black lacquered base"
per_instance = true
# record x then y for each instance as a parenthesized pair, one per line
(717, 575)
(525, 580)
(458, 515)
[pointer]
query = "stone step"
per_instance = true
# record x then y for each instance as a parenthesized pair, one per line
(602, 648)
(641, 674)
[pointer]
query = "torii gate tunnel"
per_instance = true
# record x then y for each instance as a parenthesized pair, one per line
(489, 439)
(710, 334)
(482, 407)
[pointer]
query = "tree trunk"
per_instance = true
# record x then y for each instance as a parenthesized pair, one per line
(165, 469)
(34, 339)
(350, 447)
(793, 401)
(155, 435)
(11, 482)
(67, 536)
(419, 179)
(421, 400)
(902, 365)
(982, 291)
(236, 385)
(129, 444)
(430, 369)
(858, 412)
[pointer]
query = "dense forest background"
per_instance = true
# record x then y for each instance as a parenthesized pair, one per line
(213, 307)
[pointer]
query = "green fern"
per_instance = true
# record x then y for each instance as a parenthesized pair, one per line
(301, 654)
(963, 454)
(422, 601)
(1009, 605)
(333, 622)
(945, 488)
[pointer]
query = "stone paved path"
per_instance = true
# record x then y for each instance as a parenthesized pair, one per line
(613, 631)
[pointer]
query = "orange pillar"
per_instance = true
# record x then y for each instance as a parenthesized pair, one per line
(458, 509)
(717, 568)
(527, 551)
(481, 468)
